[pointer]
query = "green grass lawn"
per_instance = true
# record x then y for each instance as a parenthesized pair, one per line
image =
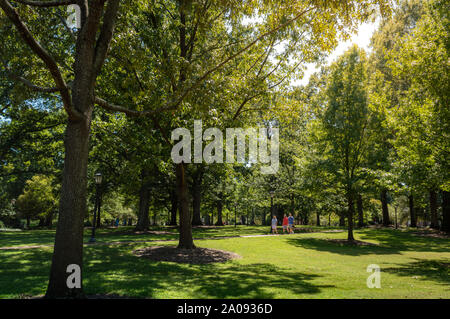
(126, 233)
(291, 266)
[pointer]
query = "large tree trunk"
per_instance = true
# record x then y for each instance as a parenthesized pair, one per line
(143, 222)
(173, 207)
(317, 219)
(90, 53)
(446, 211)
(359, 204)
(351, 210)
(433, 209)
(411, 211)
(196, 202)
(68, 247)
(219, 213)
(186, 241)
(385, 208)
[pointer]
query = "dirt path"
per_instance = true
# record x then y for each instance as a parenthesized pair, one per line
(126, 242)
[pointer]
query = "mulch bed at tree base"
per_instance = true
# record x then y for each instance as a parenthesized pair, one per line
(195, 256)
(345, 242)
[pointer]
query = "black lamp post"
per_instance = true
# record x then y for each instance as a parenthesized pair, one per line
(98, 181)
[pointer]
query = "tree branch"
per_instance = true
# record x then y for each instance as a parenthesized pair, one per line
(106, 33)
(247, 99)
(47, 4)
(132, 113)
(117, 108)
(33, 86)
(64, 23)
(26, 35)
(28, 83)
(266, 53)
(168, 11)
(225, 61)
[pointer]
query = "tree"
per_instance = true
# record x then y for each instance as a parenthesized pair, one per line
(30, 144)
(385, 91)
(345, 123)
(77, 96)
(173, 51)
(422, 120)
(37, 200)
(194, 44)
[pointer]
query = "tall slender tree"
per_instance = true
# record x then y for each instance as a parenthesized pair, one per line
(345, 123)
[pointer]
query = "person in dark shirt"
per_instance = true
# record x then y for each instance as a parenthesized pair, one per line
(290, 224)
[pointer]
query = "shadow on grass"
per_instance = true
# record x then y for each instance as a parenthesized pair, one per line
(405, 240)
(337, 248)
(127, 233)
(120, 272)
(46, 237)
(29, 237)
(429, 269)
(24, 273)
(122, 233)
(390, 242)
(116, 270)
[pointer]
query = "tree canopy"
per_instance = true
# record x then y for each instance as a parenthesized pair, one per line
(367, 134)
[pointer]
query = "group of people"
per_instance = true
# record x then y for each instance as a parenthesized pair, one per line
(288, 224)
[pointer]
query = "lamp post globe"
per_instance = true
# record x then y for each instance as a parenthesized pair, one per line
(98, 178)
